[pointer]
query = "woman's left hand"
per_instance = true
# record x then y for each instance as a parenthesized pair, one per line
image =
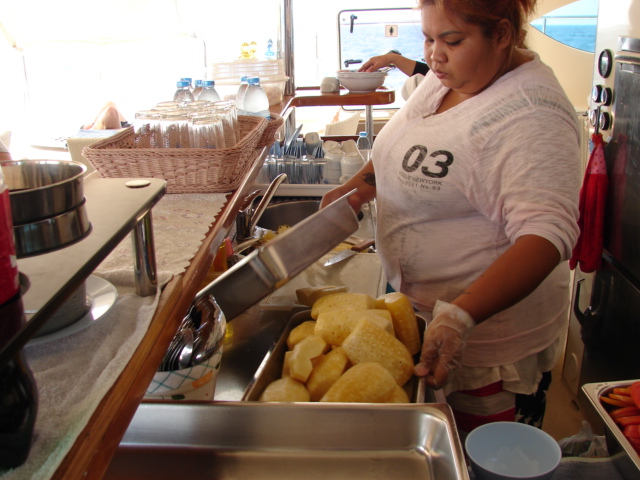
(443, 344)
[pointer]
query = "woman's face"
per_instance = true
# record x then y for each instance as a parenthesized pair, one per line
(458, 53)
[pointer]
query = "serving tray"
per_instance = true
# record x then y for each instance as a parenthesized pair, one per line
(283, 441)
(271, 367)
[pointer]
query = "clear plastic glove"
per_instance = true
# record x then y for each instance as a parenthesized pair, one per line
(443, 343)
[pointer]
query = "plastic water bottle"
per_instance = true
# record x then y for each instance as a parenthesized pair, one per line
(255, 101)
(364, 146)
(209, 92)
(197, 89)
(242, 90)
(190, 80)
(183, 92)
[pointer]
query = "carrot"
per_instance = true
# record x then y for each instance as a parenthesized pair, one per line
(624, 412)
(635, 393)
(624, 421)
(635, 443)
(622, 390)
(632, 431)
(623, 398)
(613, 401)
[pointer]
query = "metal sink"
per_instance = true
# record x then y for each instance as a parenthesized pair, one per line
(287, 213)
(240, 440)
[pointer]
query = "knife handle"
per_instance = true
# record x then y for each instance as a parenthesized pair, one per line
(358, 247)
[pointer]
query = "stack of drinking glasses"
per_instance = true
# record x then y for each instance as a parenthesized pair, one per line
(198, 124)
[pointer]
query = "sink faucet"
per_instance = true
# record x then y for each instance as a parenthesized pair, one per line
(248, 217)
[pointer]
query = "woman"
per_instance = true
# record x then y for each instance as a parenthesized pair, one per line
(477, 181)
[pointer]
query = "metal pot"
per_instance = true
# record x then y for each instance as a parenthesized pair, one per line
(41, 189)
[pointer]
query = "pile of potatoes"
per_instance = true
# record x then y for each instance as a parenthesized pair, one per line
(355, 349)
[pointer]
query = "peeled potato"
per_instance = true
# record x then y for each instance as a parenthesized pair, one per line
(326, 371)
(300, 362)
(398, 395)
(285, 390)
(285, 364)
(308, 295)
(370, 343)
(367, 382)
(342, 300)
(300, 332)
(405, 323)
(382, 312)
(335, 325)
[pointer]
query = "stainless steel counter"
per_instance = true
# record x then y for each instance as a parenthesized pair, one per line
(114, 211)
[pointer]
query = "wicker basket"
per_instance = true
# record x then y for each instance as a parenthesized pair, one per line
(269, 134)
(186, 170)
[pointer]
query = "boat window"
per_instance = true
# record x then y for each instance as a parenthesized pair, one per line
(367, 33)
(573, 25)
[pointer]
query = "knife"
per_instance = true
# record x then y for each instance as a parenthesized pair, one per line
(358, 247)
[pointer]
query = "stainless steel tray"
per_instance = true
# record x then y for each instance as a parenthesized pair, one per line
(622, 453)
(271, 367)
(282, 258)
(241, 440)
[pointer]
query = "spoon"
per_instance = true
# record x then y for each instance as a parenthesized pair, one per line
(184, 360)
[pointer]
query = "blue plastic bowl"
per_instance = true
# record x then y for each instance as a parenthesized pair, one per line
(511, 450)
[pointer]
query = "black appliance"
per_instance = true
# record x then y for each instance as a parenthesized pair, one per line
(610, 325)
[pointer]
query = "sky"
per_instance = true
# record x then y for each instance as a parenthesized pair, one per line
(581, 7)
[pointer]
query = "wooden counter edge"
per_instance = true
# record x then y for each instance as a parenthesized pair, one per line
(94, 448)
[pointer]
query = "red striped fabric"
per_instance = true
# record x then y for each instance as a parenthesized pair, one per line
(467, 421)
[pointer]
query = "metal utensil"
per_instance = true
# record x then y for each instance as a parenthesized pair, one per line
(186, 353)
(358, 247)
(293, 136)
(288, 254)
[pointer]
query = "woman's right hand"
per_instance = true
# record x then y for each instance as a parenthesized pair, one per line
(354, 199)
(362, 182)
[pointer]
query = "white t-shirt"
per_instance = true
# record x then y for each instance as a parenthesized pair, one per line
(456, 189)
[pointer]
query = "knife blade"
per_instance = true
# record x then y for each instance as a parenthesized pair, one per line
(343, 255)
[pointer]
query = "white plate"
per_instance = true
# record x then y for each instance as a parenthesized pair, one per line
(103, 296)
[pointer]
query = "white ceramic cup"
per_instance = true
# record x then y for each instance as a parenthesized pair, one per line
(311, 141)
(330, 145)
(333, 158)
(330, 85)
(351, 163)
(349, 146)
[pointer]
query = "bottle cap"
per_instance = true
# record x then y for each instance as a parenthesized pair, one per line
(253, 80)
(182, 83)
(208, 83)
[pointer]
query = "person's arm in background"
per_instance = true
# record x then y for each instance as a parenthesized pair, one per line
(406, 65)
(4, 152)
